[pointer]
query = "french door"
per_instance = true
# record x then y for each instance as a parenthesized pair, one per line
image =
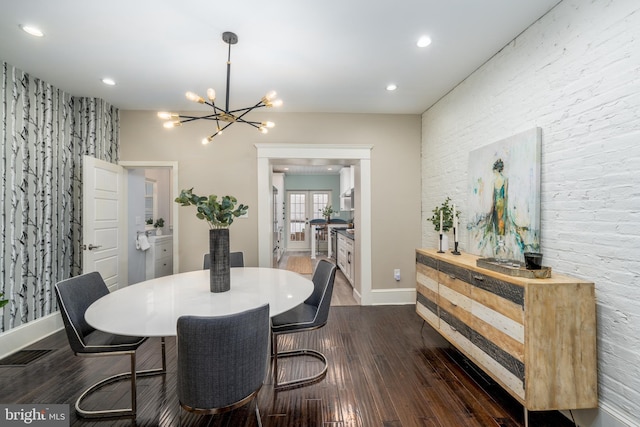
(302, 207)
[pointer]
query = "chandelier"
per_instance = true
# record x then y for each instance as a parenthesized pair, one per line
(223, 117)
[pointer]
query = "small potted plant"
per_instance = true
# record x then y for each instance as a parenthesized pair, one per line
(158, 226)
(446, 208)
(326, 213)
(219, 214)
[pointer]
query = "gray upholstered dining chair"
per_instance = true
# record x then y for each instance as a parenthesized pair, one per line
(74, 296)
(311, 314)
(222, 360)
(236, 259)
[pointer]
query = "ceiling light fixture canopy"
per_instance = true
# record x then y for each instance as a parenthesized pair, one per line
(224, 115)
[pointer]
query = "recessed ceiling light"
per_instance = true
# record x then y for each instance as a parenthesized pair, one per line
(424, 41)
(391, 87)
(30, 29)
(108, 81)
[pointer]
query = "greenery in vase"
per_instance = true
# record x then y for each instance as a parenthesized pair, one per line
(447, 216)
(327, 211)
(149, 221)
(218, 212)
(159, 223)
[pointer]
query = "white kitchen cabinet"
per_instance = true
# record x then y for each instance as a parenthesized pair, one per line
(346, 188)
(346, 257)
(346, 180)
(159, 259)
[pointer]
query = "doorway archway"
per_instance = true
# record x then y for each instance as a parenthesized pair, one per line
(360, 156)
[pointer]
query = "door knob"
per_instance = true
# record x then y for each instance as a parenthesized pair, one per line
(92, 246)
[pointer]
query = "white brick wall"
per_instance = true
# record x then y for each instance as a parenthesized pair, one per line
(576, 74)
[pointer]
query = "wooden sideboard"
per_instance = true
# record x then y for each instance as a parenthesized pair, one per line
(535, 337)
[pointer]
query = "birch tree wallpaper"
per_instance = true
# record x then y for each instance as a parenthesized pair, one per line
(44, 133)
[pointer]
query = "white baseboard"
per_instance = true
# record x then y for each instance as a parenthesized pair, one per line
(357, 296)
(20, 337)
(399, 296)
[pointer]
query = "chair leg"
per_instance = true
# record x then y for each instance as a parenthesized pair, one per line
(164, 355)
(132, 374)
(312, 379)
(112, 413)
(274, 356)
(258, 418)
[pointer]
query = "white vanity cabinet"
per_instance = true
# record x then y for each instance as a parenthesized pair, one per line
(159, 260)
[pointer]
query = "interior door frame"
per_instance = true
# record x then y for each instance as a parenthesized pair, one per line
(356, 154)
(175, 212)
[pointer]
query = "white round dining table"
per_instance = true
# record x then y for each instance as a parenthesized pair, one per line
(151, 308)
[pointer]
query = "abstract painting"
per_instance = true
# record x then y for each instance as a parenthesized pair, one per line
(504, 197)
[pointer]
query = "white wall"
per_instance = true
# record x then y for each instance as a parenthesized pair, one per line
(229, 165)
(576, 74)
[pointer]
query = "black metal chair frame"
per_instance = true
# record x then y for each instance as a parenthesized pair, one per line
(275, 354)
(132, 374)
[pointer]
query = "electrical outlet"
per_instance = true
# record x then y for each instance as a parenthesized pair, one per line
(396, 274)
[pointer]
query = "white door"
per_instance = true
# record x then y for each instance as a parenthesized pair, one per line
(303, 206)
(103, 222)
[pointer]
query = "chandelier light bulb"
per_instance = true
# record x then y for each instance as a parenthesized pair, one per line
(194, 97)
(172, 124)
(263, 129)
(207, 140)
(166, 115)
(271, 95)
(268, 124)
(277, 103)
(211, 94)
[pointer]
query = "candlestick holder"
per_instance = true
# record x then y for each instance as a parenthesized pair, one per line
(440, 251)
(455, 242)
(455, 249)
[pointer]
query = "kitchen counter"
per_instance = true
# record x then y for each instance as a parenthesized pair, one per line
(349, 233)
(331, 225)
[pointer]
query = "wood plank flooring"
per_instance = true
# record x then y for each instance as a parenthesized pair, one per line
(386, 369)
(342, 289)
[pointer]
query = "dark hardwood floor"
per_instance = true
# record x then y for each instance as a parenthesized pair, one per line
(386, 369)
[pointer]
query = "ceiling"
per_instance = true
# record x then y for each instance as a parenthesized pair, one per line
(329, 56)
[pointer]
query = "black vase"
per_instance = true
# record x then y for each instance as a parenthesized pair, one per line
(219, 272)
